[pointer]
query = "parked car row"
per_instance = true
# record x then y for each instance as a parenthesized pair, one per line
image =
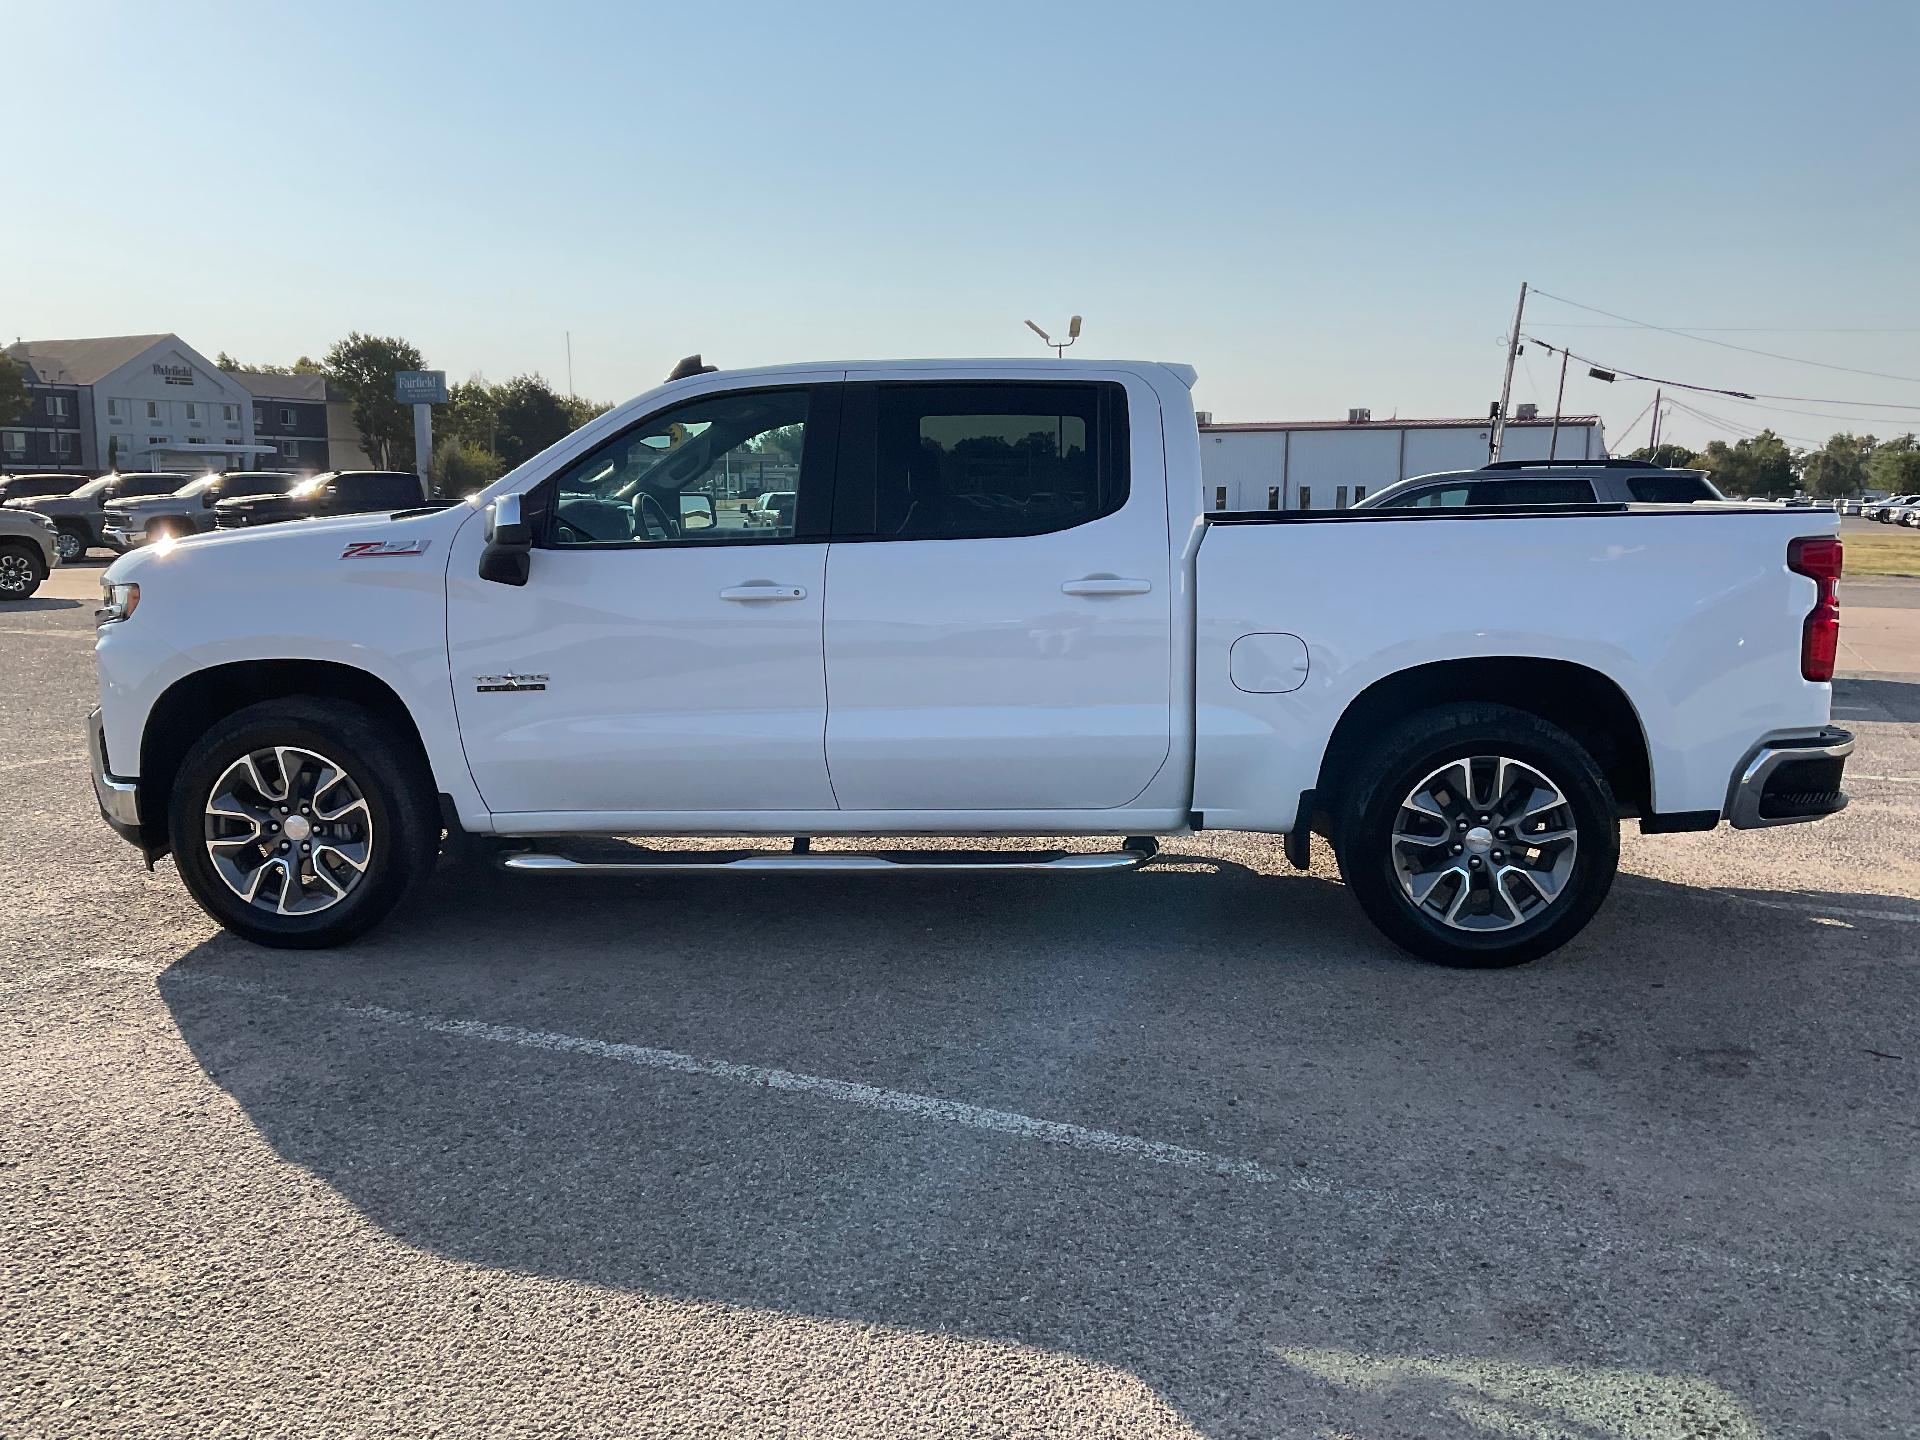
(121, 510)
(1894, 510)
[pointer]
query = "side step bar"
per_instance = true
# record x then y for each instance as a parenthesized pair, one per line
(1137, 851)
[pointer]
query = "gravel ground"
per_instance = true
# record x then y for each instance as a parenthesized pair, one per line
(1187, 1152)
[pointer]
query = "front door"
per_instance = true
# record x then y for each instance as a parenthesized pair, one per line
(999, 602)
(665, 653)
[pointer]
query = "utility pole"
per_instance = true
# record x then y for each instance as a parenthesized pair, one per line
(1553, 445)
(569, 335)
(1506, 384)
(1654, 443)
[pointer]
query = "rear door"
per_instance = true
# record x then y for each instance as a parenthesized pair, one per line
(998, 630)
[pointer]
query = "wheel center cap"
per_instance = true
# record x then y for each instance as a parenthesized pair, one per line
(1478, 840)
(296, 828)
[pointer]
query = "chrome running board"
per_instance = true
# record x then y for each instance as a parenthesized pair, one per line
(1138, 851)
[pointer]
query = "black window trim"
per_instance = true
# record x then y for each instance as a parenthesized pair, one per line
(856, 491)
(825, 399)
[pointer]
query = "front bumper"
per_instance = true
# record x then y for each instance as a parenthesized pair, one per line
(119, 799)
(1787, 780)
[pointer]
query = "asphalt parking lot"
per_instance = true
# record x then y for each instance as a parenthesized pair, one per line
(1187, 1152)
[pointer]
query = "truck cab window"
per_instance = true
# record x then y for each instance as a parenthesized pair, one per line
(969, 461)
(723, 468)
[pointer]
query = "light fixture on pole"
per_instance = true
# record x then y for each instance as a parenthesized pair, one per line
(1059, 346)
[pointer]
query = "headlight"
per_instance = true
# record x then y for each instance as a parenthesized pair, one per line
(118, 600)
(44, 521)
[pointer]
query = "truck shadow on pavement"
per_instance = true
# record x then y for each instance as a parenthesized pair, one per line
(1469, 1187)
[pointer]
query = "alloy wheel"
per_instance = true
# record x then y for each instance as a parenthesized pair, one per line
(16, 574)
(1484, 843)
(288, 830)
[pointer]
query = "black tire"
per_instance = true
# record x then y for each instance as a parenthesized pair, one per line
(22, 569)
(1368, 812)
(71, 542)
(390, 775)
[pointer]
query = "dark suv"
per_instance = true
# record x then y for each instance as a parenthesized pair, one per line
(46, 486)
(1548, 482)
(80, 517)
(337, 492)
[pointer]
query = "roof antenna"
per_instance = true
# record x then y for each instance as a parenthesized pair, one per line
(690, 366)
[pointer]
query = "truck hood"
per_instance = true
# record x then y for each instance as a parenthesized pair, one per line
(149, 504)
(311, 546)
(54, 505)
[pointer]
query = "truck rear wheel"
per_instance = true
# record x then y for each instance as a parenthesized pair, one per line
(1478, 835)
(300, 824)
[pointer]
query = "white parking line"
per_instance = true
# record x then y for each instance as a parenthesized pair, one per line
(43, 760)
(1893, 779)
(1387, 1206)
(1801, 907)
(760, 1077)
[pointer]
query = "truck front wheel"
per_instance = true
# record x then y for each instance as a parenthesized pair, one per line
(300, 823)
(1478, 835)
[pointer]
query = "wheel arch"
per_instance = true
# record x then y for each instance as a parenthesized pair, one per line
(1585, 703)
(194, 702)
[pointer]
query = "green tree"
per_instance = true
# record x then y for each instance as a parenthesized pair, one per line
(1760, 466)
(530, 418)
(363, 367)
(1667, 456)
(471, 414)
(1840, 466)
(15, 399)
(1895, 467)
(459, 467)
(305, 365)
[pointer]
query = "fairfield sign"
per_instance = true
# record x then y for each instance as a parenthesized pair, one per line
(174, 374)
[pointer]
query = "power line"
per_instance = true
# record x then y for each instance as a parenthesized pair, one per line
(1742, 429)
(1612, 370)
(1741, 329)
(1718, 389)
(1633, 422)
(1726, 344)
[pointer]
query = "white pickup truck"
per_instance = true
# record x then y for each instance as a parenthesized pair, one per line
(1000, 609)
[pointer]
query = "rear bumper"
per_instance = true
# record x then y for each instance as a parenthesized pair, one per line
(1786, 780)
(119, 799)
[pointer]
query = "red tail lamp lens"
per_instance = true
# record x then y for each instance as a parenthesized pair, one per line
(1819, 558)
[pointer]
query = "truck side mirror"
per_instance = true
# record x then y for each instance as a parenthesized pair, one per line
(508, 558)
(696, 512)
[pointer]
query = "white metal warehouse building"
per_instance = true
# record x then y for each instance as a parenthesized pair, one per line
(1330, 464)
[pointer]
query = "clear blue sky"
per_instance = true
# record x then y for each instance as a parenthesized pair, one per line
(1318, 206)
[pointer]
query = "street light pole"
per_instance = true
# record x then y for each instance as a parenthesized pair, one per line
(1506, 383)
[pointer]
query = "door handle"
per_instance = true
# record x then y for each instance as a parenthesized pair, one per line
(1106, 585)
(763, 592)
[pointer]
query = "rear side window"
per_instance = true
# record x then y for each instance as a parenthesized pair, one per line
(1430, 498)
(1671, 489)
(972, 460)
(144, 485)
(380, 491)
(1562, 491)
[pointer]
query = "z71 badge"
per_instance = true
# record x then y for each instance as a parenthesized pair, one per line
(358, 549)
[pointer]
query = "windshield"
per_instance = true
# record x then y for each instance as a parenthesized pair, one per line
(93, 489)
(308, 487)
(196, 487)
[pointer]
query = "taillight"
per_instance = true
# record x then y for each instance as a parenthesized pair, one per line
(1818, 557)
